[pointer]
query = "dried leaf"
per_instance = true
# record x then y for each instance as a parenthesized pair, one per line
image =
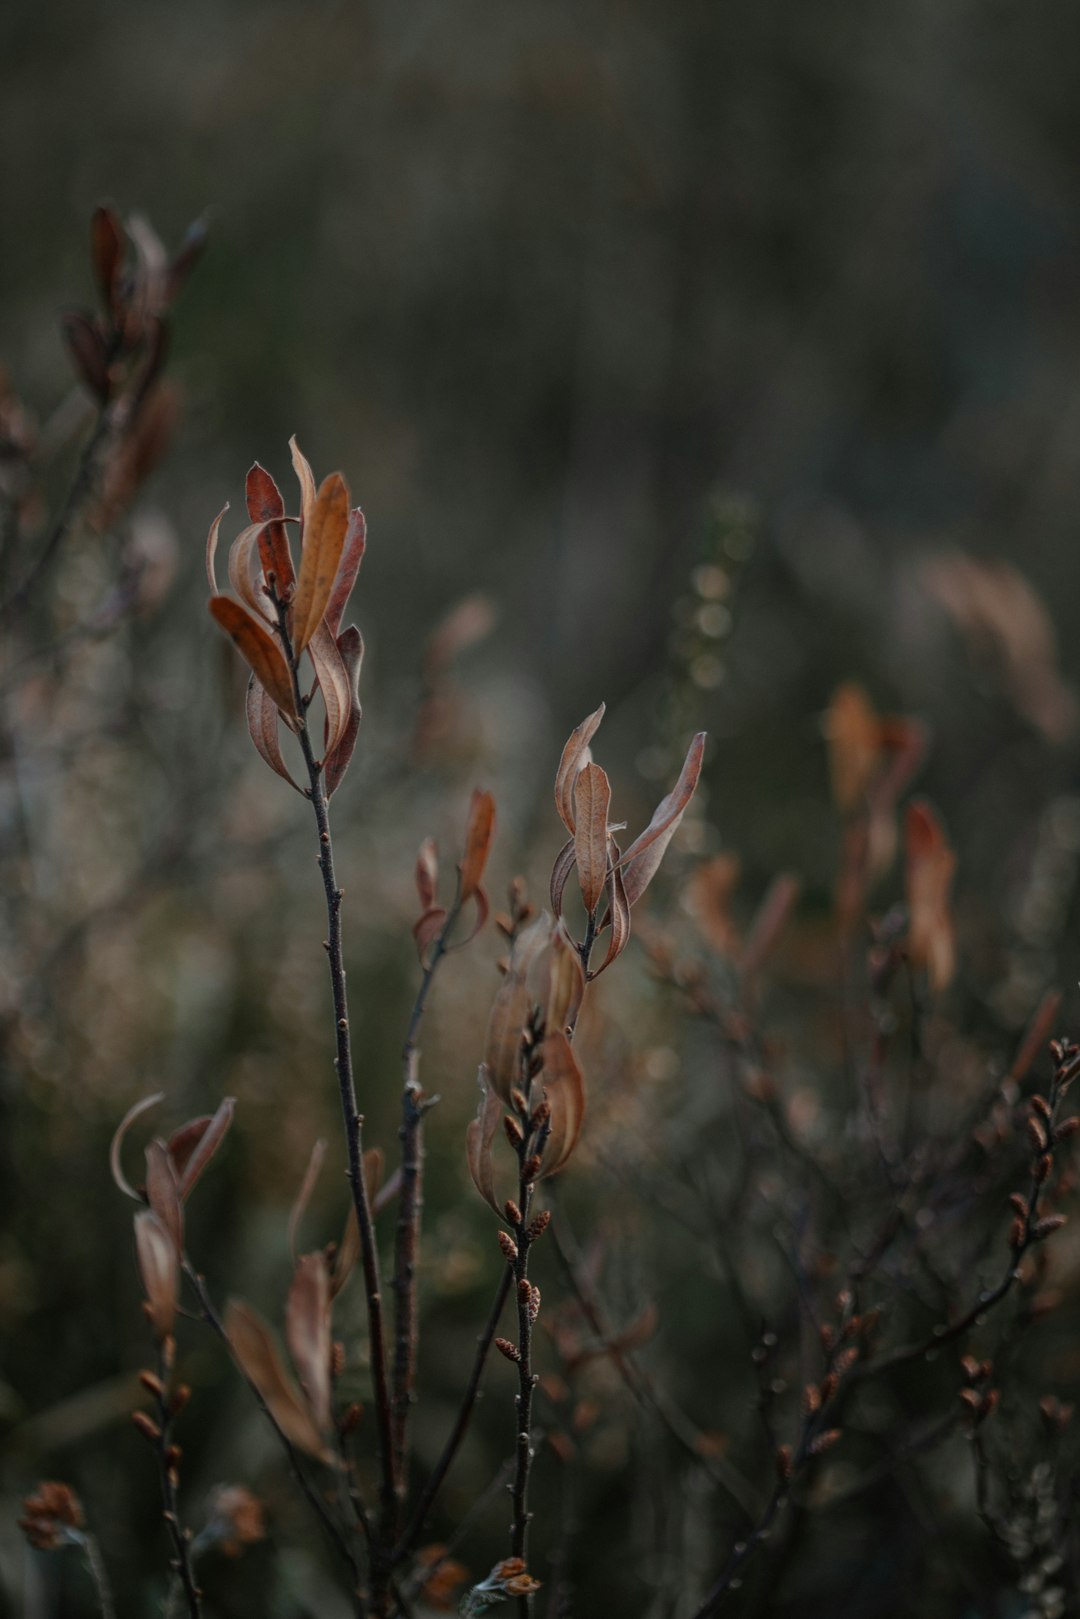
(565, 861)
(565, 1090)
(334, 683)
(1039, 1032)
(708, 897)
(122, 1129)
(207, 1146)
(350, 644)
(352, 554)
(211, 547)
(574, 756)
(930, 866)
(324, 539)
(259, 650)
(244, 563)
(302, 468)
(307, 1186)
(163, 1192)
(159, 1268)
(427, 930)
(618, 917)
(592, 801)
(427, 873)
(478, 836)
(87, 349)
(566, 982)
(252, 1343)
(262, 721)
(107, 249)
(641, 860)
(479, 1138)
(264, 504)
(182, 1143)
(307, 1331)
(510, 1008)
(853, 732)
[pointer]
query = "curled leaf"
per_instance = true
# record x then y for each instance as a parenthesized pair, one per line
(182, 1143)
(479, 1139)
(307, 1331)
(478, 836)
(262, 716)
(163, 1192)
(565, 982)
(427, 873)
(303, 1196)
(159, 1269)
(259, 650)
(334, 683)
(117, 1143)
(324, 540)
(641, 860)
(565, 861)
(352, 554)
(564, 1088)
(350, 644)
(302, 468)
(592, 801)
(211, 547)
(574, 756)
(427, 930)
(252, 1343)
(510, 1008)
(207, 1145)
(266, 507)
(618, 917)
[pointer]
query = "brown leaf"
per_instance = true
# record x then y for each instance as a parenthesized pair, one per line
(207, 1146)
(324, 539)
(264, 504)
(479, 1138)
(244, 564)
(307, 1331)
(262, 716)
(182, 1143)
(427, 930)
(117, 1143)
(708, 897)
(853, 732)
(574, 756)
(159, 1268)
(564, 1088)
(427, 873)
(163, 1192)
(334, 683)
(478, 836)
(259, 650)
(211, 548)
(350, 644)
(565, 861)
(302, 468)
(107, 249)
(307, 1186)
(87, 349)
(592, 801)
(930, 866)
(641, 860)
(510, 1008)
(565, 984)
(618, 917)
(252, 1343)
(352, 554)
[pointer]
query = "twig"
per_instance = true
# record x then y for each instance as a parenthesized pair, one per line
(167, 1467)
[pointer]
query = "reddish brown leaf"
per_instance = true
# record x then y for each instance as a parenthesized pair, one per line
(853, 732)
(87, 349)
(427, 873)
(159, 1268)
(618, 917)
(479, 1139)
(350, 644)
(182, 1143)
(211, 548)
(307, 1332)
(641, 860)
(427, 930)
(307, 1186)
(207, 1146)
(565, 861)
(352, 554)
(574, 756)
(708, 897)
(334, 684)
(565, 1092)
(107, 254)
(163, 1192)
(252, 1343)
(565, 984)
(478, 836)
(116, 1146)
(592, 800)
(324, 539)
(262, 721)
(929, 874)
(259, 650)
(265, 506)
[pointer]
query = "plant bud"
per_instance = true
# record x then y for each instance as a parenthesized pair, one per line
(825, 1441)
(512, 1212)
(152, 1384)
(179, 1400)
(784, 1463)
(531, 1167)
(511, 1351)
(508, 1246)
(1037, 1134)
(337, 1358)
(1067, 1127)
(1041, 1105)
(539, 1225)
(1020, 1204)
(148, 1429)
(513, 1131)
(1043, 1228)
(350, 1419)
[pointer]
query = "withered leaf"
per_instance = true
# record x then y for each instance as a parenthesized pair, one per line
(770, 921)
(182, 1143)
(1038, 1033)
(930, 866)
(244, 563)
(479, 1139)
(116, 1146)
(478, 836)
(352, 554)
(306, 478)
(252, 1343)
(566, 981)
(427, 873)
(350, 644)
(574, 756)
(259, 650)
(641, 860)
(307, 1186)
(427, 929)
(324, 539)
(264, 504)
(163, 1192)
(211, 548)
(565, 861)
(334, 684)
(87, 349)
(307, 1331)
(207, 1146)
(159, 1269)
(592, 800)
(510, 1008)
(618, 917)
(564, 1088)
(262, 716)
(107, 254)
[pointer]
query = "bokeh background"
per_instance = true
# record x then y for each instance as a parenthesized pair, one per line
(711, 354)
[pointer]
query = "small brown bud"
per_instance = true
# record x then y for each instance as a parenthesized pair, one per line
(181, 1396)
(1068, 1127)
(827, 1336)
(540, 1115)
(784, 1463)
(337, 1358)
(174, 1456)
(1037, 1133)
(512, 1212)
(343, 1023)
(508, 1246)
(971, 1369)
(148, 1429)
(845, 1361)
(844, 1301)
(1016, 1233)
(972, 1399)
(517, 1097)
(350, 1419)
(1041, 1105)
(152, 1384)
(523, 1289)
(540, 1225)
(828, 1387)
(1020, 1204)
(1042, 1167)
(531, 1168)
(513, 1131)
(811, 1399)
(534, 1303)
(825, 1441)
(1043, 1228)
(990, 1404)
(511, 1351)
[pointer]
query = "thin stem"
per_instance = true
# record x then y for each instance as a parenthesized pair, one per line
(98, 1573)
(167, 1467)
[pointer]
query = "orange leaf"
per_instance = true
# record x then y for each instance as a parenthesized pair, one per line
(478, 836)
(259, 650)
(930, 866)
(592, 800)
(350, 644)
(324, 539)
(352, 554)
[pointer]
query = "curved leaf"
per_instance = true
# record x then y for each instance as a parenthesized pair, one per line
(352, 554)
(211, 547)
(478, 836)
(265, 506)
(133, 1112)
(207, 1145)
(252, 1343)
(262, 717)
(350, 644)
(159, 1269)
(479, 1138)
(592, 801)
(307, 1332)
(334, 683)
(641, 860)
(259, 650)
(564, 1088)
(324, 539)
(574, 756)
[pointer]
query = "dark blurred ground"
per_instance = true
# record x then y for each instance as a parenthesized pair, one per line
(551, 284)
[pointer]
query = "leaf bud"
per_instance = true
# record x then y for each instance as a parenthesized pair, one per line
(539, 1225)
(146, 1427)
(511, 1351)
(508, 1246)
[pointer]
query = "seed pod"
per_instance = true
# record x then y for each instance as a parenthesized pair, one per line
(512, 1212)
(1037, 1133)
(1016, 1233)
(508, 1246)
(539, 1225)
(534, 1303)
(511, 1351)
(1020, 1204)
(531, 1168)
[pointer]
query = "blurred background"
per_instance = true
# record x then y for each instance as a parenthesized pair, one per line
(691, 357)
